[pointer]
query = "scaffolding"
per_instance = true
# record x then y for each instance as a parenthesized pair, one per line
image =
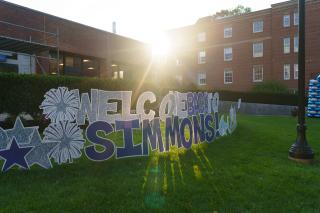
(15, 38)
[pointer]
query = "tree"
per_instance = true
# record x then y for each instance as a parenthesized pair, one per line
(240, 9)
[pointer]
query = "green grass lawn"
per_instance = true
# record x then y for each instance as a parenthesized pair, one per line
(246, 172)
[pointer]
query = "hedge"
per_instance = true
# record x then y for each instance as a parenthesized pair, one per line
(24, 93)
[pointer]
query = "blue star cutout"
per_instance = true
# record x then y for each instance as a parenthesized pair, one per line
(4, 140)
(21, 133)
(41, 151)
(14, 156)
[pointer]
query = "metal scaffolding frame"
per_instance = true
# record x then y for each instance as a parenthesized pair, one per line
(14, 44)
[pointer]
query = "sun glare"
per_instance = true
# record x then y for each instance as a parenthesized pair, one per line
(160, 45)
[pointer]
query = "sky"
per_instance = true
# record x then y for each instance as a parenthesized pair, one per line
(143, 20)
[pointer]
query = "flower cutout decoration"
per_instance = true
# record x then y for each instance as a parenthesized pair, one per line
(61, 104)
(70, 141)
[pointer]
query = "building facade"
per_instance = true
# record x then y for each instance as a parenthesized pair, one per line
(36, 42)
(238, 52)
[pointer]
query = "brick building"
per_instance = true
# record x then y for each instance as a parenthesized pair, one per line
(238, 52)
(32, 42)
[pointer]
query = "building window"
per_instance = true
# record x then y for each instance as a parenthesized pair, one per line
(286, 72)
(202, 37)
(286, 45)
(258, 73)
(296, 18)
(296, 44)
(228, 76)
(121, 74)
(178, 62)
(296, 72)
(228, 54)
(179, 79)
(257, 49)
(286, 21)
(257, 26)
(202, 79)
(227, 32)
(202, 57)
(69, 62)
(115, 75)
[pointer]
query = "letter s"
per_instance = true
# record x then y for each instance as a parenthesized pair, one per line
(92, 136)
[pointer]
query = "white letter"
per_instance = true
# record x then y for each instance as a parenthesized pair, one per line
(105, 107)
(87, 108)
(169, 103)
(144, 97)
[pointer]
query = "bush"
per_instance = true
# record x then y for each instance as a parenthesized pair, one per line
(24, 93)
(263, 98)
(271, 87)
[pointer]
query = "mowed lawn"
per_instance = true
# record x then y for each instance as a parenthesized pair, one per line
(246, 172)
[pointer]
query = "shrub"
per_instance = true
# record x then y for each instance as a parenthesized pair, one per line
(263, 98)
(24, 93)
(271, 87)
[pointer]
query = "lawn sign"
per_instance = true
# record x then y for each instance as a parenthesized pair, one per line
(187, 117)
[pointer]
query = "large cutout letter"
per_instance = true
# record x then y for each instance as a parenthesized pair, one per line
(167, 106)
(186, 123)
(109, 111)
(88, 108)
(172, 132)
(129, 149)
(198, 129)
(182, 104)
(143, 98)
(92, 136)
(153, 135)
(210, 133)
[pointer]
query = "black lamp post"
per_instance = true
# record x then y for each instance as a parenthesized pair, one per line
(300, 151)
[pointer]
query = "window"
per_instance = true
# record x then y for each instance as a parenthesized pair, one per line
(227, 32)
(296, 18)
(257, 73)
(286, 72)
(202, 57)
(296, 71)
(286, 21)
(228, 54)
(202, 37)
(115, 75)
(286, 45)
(179, 79)
(202, 79)
(257, 26)
(69, 62)
(121, 74)
(296, 44)
(228, 76)
(178, 62)
(73, 65)
(257, 49)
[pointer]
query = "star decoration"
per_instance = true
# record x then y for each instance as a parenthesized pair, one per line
(4, 140)
(14, 156)
(40, 153)
(21, 133)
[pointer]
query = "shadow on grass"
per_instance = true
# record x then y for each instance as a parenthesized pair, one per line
(168, 172)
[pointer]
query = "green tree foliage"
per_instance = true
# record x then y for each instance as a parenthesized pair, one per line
(240, 9)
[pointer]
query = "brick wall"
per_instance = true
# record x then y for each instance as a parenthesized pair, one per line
(242, 40)
(74, 38)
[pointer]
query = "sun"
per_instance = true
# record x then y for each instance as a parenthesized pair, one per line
(160, 45)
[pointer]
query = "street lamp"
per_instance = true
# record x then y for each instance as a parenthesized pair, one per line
(300, 151)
